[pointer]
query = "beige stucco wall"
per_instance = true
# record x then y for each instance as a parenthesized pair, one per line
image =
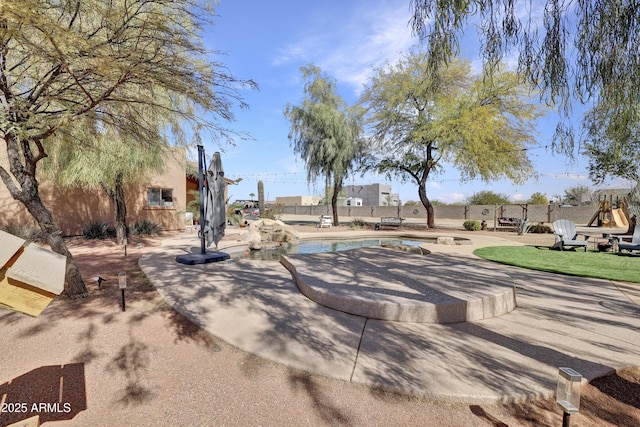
(297, 200)
(73, 208)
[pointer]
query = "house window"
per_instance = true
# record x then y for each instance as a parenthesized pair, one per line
(160, 197)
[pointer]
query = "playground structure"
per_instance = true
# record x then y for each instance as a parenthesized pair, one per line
(500, 220)
(607, 216)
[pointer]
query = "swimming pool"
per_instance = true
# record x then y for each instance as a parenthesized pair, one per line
(320, 246)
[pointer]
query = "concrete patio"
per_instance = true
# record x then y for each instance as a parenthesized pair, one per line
(592, 326)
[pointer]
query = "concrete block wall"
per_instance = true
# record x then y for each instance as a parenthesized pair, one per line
(581, 215)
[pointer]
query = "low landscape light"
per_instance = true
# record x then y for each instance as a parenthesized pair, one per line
(568, 393)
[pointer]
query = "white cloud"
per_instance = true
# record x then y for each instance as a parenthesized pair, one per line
(451, 197)
(291, 164)
(365, 36)
(517, 197)
(569, 176)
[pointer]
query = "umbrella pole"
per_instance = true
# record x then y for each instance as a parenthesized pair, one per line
(203, 257)
(203, 248)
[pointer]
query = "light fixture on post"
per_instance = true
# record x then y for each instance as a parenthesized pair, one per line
(568, 393)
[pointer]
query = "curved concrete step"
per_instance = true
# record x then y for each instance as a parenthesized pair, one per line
(384, 284)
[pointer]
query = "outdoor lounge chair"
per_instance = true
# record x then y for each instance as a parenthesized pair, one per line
(633, 245)
(566, 235)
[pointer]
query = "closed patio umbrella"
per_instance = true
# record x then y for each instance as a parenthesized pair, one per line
(214, 203)
(213, 215)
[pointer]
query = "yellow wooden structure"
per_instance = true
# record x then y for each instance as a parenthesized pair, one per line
(30, 276)
(29, 422)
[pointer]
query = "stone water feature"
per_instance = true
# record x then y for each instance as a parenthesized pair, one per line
(269, 233)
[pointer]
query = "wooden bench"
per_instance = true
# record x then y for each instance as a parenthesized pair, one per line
(391, 221)
(509, 222)
(31, 277)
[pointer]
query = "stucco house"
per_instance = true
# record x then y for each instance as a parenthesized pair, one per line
(161, 198)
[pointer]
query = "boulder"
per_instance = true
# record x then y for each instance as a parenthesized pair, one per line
(273, 231)
(254, 240)
(445, 240)
(407, 248)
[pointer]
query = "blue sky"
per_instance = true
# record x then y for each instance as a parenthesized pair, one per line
(268, 42)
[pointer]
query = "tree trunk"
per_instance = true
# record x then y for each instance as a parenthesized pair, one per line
(74, 286)
(120, 210)
(334, 203)
(23, 187)
(119, 207)
(422, 192)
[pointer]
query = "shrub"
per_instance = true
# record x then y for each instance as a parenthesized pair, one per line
(471, 225)
(144, 228)
(540, 228)
(235, 219)
(357, 223)
(27, 233)
(98, 230)
(273, 212)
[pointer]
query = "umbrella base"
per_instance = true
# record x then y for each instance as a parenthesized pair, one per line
(205, 258)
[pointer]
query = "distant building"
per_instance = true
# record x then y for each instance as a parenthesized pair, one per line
(298, 200)
(354, 201)
(373, 194)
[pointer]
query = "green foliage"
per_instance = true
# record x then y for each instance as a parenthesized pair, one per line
(144, 227)
(273, 211)
(325, 131)
(74, 72)
(577, 263)
(586, 50)
(614, 149)
(27, 233)
(412, 203)
(98, 230)
(194, 204)
(538, 199)
(358, 223)
(487, 197)
(580, 195)
(421, 121)
(235, 219)
(471, 225)
(328, 194)
(540, 228)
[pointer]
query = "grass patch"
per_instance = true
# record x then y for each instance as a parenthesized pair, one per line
(601, 265)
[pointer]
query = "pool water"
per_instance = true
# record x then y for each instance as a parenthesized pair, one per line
(318, 246)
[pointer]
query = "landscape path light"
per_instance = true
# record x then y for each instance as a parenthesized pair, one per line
(122, 284)
(568, 393)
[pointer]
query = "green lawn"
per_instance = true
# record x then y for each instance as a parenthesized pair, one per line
(602, 265)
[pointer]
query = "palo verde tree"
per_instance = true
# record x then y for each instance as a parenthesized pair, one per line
(614, 151)
(66, 63)
(587, 50)
(487, 197)
(107, 160)
(325, 132)
(479, 125)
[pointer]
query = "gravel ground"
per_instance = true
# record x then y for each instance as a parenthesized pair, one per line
(88, 363)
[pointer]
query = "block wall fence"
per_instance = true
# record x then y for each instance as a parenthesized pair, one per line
(535, 213)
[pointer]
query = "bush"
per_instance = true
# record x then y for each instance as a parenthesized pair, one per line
(98, 230)
(471, 225)
(540, 228)
(27, 233)
(144, 228)
(357, 223)
(273, 212)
